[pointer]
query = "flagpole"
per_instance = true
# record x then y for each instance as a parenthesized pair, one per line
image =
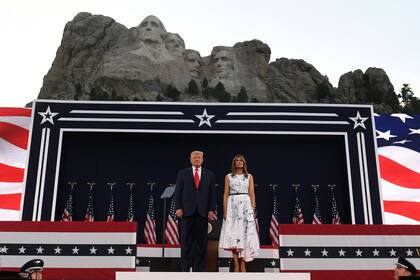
(164, 196)
(130, 211)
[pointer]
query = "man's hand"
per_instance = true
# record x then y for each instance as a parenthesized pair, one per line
(211, 216)
(179, 213)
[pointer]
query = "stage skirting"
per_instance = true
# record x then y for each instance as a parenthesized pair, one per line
(70, 250)
(96, 250)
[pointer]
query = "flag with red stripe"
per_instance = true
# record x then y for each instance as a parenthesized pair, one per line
(274, 225)
(347, 252)
(398, 139)
(14, 131)
(150, 225)
(70, 251)
(172, 226)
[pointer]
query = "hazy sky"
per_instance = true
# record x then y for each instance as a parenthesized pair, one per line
(334, 36)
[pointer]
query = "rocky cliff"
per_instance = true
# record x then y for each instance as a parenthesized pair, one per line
(100, 59)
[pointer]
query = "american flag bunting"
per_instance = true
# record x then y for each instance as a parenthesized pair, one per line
(172, 226)
(274, 225)
(150, 225)
(90, 217)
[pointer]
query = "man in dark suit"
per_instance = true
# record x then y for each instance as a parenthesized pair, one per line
(195, 203)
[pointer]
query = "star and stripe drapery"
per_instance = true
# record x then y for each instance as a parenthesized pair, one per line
(398, 153)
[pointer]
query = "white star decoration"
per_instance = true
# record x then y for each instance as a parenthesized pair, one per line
(128, 251)
(111, 250)
(402, 117)
(414, 131)
(47, 116)
(384, 135)
(324, 253)
(358, 121)
(402, 141)
(307, 253)
(409, 253)
(39, 250)
(22, 250)
(342, 253)
(375, 253)
(290, 253)
(75, 250)
(392, 253)
(57, 250)
(4, 249)
(93, 250)
(273, 263)
(359, 253)
(205, 118)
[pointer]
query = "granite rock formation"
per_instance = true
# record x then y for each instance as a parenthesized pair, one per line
(100, 59)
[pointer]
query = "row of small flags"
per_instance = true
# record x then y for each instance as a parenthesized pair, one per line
(172, 223)
(67, 215)
(297, 214)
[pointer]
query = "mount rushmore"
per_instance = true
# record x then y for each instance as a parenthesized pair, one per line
(100, 59)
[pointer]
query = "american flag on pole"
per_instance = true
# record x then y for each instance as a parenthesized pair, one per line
(297, 217)
(274, 225)
(150, 225)
(70, 251)
(334, 211)
(316, 218)
(398, 139)
(89, 217)
(111, 212)
(130, 214)
(14, 131)
(172, 226)
(68, 210)
(347, 252)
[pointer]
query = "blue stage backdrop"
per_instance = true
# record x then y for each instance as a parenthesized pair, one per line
(145, 143)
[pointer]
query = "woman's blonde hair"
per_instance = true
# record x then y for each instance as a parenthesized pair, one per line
(245, 169)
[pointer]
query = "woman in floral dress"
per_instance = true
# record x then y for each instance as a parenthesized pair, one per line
(239, 233)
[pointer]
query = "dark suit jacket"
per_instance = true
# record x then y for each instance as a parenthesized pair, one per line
(189, 199)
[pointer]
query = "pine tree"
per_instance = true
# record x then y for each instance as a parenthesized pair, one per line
(193, 88)
(405, 95)
(242, 95)
(172, 92)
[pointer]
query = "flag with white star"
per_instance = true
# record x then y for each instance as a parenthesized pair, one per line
(347, 251)
(111, 212)
(274, 225)
(14, 131)
(398, 139)
(75, 250)
(316, 217)
(130, 214)
(297, 216)
(172, 226)
(266, 261)
(89, 217)
(68, 210)
(336, 220)
(150, 225)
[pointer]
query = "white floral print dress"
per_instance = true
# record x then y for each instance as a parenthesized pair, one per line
(239, 232)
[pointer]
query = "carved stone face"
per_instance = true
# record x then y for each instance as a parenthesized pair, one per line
(174, 44)
(223, 62)
(193, 62)
(151, 29)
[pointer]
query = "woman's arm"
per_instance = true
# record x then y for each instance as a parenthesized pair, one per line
(251, 191)
(225, 196)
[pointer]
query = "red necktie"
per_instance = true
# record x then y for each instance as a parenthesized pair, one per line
(196, 178)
